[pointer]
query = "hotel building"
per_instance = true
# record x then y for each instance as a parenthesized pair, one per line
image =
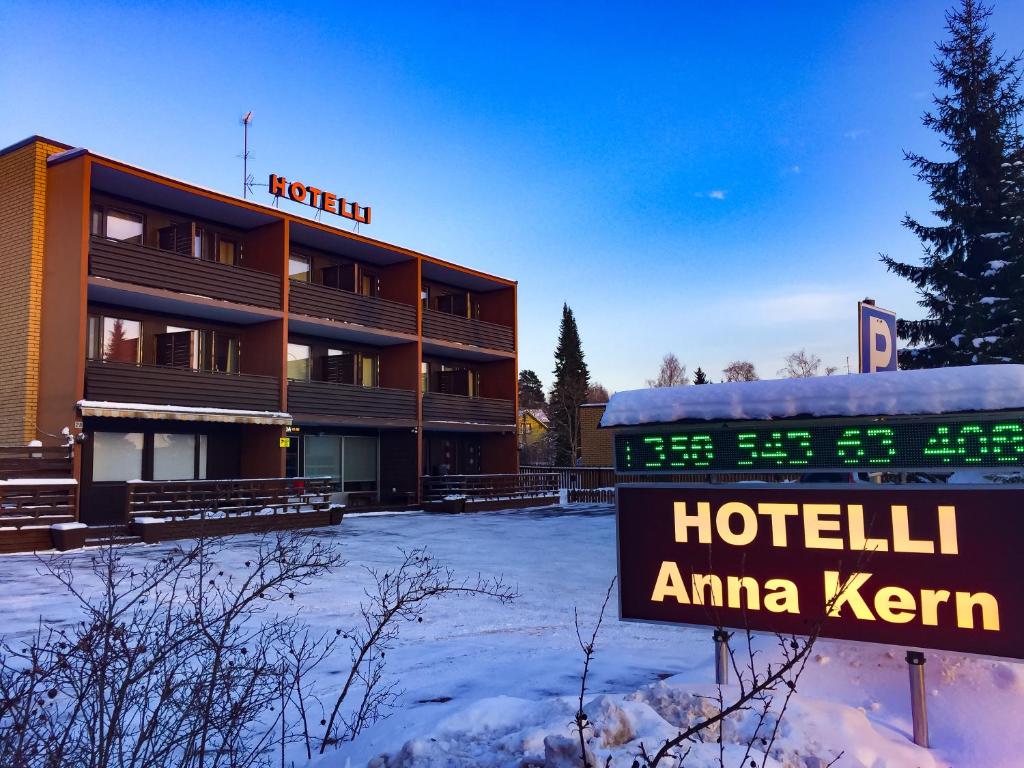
(182, 334)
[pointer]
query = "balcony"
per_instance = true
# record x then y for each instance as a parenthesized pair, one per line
(462, 330)
(349, 401)
(162, 385)
(348, 307)
(459, 408)
(155, 268)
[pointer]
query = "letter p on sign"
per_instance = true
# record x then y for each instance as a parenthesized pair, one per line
(876, 331)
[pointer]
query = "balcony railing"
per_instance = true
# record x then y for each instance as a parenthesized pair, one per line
(348, 307)
(346, 400)
(462, 330)
(482, 487)
(160, 385)
(458, 408)
(155, 268)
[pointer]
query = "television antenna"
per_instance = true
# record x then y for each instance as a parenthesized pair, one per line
(247, 180)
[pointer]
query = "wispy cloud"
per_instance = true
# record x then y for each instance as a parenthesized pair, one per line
(714, 194)
(794, 169)
(854, 133)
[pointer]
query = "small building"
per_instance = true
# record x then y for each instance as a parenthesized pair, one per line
(532, 428)
(596, 445)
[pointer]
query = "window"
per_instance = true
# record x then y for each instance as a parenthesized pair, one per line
(179, 456)
(124, 226)
(369, 285)
(298, 362)
(368, 371)
(227, 251)
(349, 458)
(343, 366)
(298, 267)
(218, 352)
(360, 470)
(322, 457)
(114, 339)
(116, 456)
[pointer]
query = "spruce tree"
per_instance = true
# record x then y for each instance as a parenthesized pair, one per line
(531, 391)
(970, 278)
(699, 377)
(569, 392)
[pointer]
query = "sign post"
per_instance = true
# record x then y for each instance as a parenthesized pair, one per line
(876, 338)
(918, 702)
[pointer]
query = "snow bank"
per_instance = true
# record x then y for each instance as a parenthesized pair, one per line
(505, 731)
(891, 393)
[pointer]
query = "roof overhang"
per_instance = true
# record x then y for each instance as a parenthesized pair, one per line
(103, 409)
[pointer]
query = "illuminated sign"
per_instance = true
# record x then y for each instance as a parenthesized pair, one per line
(928, 567)
(318, 198)
(947, 443)
(876, 336)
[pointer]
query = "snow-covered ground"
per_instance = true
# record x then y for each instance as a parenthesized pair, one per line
(485, 684)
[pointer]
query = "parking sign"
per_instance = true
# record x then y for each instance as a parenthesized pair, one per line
(876, 334)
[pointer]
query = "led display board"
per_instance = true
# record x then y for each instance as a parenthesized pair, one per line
(946, 443)
(930, 567)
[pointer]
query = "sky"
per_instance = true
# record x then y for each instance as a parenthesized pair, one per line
(714, 180)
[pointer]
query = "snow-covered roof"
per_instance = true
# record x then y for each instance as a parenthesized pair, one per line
(537, 413)
(180, 412)
(890, 393)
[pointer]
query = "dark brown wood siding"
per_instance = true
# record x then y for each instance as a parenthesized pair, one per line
(462, 330)
(124, 383)
(480, 410)
(152, 267)
(348, 307)
(328, 399)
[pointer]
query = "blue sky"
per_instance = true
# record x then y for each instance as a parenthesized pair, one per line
(711, 179)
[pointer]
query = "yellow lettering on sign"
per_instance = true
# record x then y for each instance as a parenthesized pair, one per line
(815, 526)
(901, 541)
(702, 582)
(701, 521)
(722, 521)
(781, 596)
(895, 605)
(749, 586)
(838, 594)
(670, 584)
(858, 543)
(778, 513)
(965, 605)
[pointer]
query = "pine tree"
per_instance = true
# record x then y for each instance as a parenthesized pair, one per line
(569, 392)
(531, 391)
(699, 377)
(970, 279)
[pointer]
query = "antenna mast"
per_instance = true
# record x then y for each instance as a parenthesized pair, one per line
(246, 182)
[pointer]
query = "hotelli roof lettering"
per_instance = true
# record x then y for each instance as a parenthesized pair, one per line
(317, 198)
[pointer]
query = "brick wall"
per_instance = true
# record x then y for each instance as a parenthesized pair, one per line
(22, 227)
(596, 444)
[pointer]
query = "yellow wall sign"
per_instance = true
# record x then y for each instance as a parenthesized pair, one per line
(286, 442)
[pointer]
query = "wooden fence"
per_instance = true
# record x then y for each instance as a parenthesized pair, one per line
(19, 461)
(37, 502)
(187, 499)
(488, 487)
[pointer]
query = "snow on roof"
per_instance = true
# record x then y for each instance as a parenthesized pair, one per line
(890, 393)
(537, 413)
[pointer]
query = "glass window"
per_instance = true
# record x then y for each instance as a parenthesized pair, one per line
(298, 362)
(96, 222)
(368, 372)
(322, 456)
(202, 457)
(227, 251)
(114, 339)
(124, 226)
(198, 243)
(298, 267)
(174, 456)
(217, 352)
(360, 464)
(116, 456)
